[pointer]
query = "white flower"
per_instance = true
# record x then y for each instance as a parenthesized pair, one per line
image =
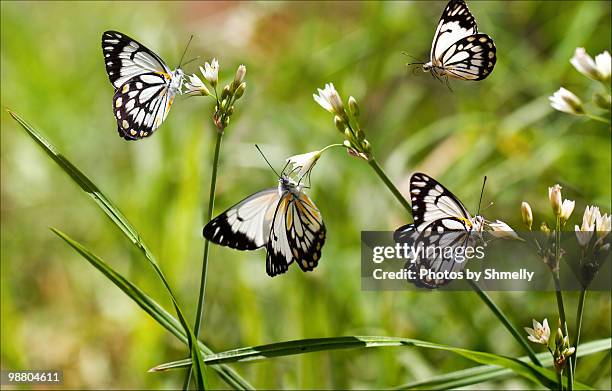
(583, 236)
(590, 216)
(540, 333)
(585, 64)
(604, 63)
(554, 195)
(502, 230)
(565, 100)
(196, 86)
(329, 99)
(567, 207)
(211, 71)
(603, 225)
(304, 162)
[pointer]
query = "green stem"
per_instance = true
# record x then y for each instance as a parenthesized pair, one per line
(381, 174)
(481, 294)
(506, 322)
(208, 217)
(597, 118)
(560, 380)
(560, 305)
(579, 314)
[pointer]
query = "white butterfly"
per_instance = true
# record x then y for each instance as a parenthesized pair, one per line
(145, 86)
(283, 219)
(458, 50)
(440, 220)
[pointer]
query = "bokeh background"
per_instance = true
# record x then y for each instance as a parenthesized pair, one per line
(58, 312)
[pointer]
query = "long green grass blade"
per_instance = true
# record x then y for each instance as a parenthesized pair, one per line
(117, 218)
(475, 375)
(152, 308)
(530, 371)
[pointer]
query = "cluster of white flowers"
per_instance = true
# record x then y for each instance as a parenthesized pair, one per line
(593, 221)
(229, 95)
(597, 69)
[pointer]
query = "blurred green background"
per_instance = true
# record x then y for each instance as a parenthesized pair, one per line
(58, 312)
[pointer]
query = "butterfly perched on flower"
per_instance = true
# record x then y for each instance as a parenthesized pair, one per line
(442, 221)
(283, 219)
(145, 86)
(458, 50)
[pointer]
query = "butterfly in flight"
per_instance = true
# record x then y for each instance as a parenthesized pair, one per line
(440, 221)
(145, 86)
(282, 218)
(458, 50)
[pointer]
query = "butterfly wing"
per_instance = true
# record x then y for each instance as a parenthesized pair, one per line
(297, 234)
(431, 202)
(455, 24)
(126, 58)
(246, 225)
(470, 58)
(141, 105)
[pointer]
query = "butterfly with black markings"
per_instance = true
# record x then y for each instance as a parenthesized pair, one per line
(283, 219)
(458, 50)
(145, 86)
(440, 221)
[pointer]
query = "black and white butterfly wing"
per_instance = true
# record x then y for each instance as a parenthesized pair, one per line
(144, 85)
(458, 49)
(432, 202)
(455, 24)
(246, 225)
(126, 58)
(297, 234)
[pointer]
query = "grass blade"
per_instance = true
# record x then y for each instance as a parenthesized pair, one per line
(530, 371)
(475, 375)
(152, 308)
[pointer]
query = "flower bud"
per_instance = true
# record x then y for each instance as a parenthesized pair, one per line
(353, 108)
(348, 134)
(340, 123)
(566, 101)
(360, 135)
(544, 228)
(240, 91)
(603, 101)
(559, 337)
(567, 207)
(527, 214)
(230, 111)
(554, 196)
(225, 93)
(240, 73)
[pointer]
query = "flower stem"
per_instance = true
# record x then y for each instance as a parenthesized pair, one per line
(211, 204)
(506, 322)
(481, 294)
(381, 174)
(559, 295)
(560, 379)
(579, 314)
(597, 118)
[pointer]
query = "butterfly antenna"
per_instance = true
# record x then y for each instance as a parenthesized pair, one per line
(264, 156)
(185, 51)
(481, 193)
(192, 60)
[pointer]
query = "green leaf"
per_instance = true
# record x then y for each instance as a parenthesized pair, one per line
(474, 375)
(530, 371)
(119, 220)
(152, 308)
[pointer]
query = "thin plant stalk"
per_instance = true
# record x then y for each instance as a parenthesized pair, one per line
(482, 295)
(211, 205)
(579, 314)
(506, 322)
(560, 305)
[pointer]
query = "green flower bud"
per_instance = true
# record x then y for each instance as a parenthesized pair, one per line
(226, 92)
(340, 123)
(240, 91)
(603, 101)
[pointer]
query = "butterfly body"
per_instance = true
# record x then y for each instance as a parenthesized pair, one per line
(458, 50)
(282, 218)
(145, 87)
